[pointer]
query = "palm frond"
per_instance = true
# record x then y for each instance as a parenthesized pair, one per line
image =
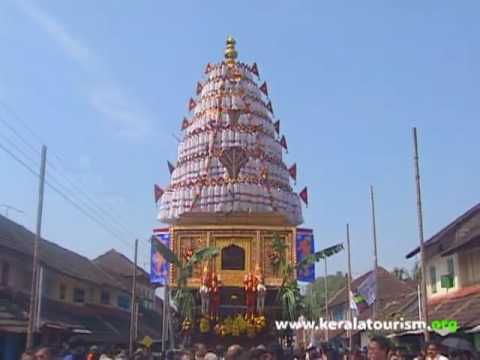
(165, 251)
(322, 254)
(203, 254)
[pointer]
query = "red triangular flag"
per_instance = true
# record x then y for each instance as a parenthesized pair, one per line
(170, 167)
(254, 69)
(277, 126)
(269, 107)
(199, 88)
(158, 192)
(283, 142)
(293, 171)
(207, 68)
(264, 89)
(191, 104)
(304, 195)
(185, 123)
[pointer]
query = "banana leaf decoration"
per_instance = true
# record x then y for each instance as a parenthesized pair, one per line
(289, 292)
(319, 255)
(184, 298)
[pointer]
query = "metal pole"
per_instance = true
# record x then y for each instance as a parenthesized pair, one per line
(375, 255)
(164, 318)
(34, 287)
(133, 303)
(349, 287)
(420, 234)
(326, 298)
(170, 326)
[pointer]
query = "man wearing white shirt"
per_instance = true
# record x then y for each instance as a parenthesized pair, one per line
(433, 352)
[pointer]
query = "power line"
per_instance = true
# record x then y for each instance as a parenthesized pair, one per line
(63, 195)
(53, 179)
(62, 173)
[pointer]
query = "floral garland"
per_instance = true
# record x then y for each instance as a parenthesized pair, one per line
(256, 153)
(212, 181)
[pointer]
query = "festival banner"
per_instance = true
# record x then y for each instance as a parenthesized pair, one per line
(305, 246)
(158, 265)
(368, 288)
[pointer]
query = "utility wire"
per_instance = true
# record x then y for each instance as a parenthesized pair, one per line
(52, 178)
(56, 169)
(63, 195)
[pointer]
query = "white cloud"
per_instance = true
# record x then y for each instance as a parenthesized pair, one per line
(106, 96)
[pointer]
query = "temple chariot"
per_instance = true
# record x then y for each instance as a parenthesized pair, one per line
(231, 189)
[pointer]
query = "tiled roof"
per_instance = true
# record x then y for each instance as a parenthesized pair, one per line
(116, 263)
(462, 305)
(102, 322)
(19, 239)
(447, 229)
(389, 287)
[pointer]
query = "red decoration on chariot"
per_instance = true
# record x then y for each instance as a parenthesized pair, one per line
(208, 68)
(269, 107)
(171, 168)
(191, 104)
(293, 171)
(199, 88)
(185, 123)
(254, 69)
(158, 192)
(215, 296)
(283, 142)
(276, 124)
(250, 286)
(264, 88)
(304, 195)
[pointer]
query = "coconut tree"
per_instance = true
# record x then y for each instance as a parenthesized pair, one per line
(184, 298)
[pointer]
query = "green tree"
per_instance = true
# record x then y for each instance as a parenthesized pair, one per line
(315, 294)
(292, 301)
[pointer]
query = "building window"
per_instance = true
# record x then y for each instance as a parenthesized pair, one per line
(5, 273)
(451, 269)
(123, 302)
(433, 279)
(78, 295)
(63, 292)
(105, 298)
(233, 258)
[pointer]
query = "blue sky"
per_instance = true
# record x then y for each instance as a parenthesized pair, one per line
(106, 84)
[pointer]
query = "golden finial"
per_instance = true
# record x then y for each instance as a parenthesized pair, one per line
(230, 52)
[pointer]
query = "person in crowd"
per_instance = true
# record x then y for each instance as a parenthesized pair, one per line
(185, 355)
(121, 355)
(275, 349)
(107, 354)
(313, 353)
(72, 353)
(210, 356)
(220, 351)
(235, 352)
(420, 355)
(138, 354)
(200, 351)
(255, 353)
(93, 353)
(378, 348)
(44, 353)
(432, 351)
(27, 355)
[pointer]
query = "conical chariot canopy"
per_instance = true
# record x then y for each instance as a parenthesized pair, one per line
(229, 162)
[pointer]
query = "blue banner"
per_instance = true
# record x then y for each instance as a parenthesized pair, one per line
(158, 265)
(305, 246)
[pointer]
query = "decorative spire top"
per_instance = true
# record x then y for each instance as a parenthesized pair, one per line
(230, 52)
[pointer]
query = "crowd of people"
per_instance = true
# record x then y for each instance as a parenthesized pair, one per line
(379, 348)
